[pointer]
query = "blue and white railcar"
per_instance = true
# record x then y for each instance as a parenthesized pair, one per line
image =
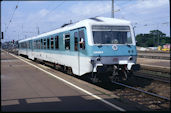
(90, 46)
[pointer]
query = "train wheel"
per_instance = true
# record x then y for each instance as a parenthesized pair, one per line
(130, 75)
(94, 78)
(123, 75)
(63, 69)
(69, 71)
(115, 78)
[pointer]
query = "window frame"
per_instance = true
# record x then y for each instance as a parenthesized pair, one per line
(41, 43)
(67, 38)
(57, 42)
(44, 43)
(76, 41)
(52, 42)
(81, 45)
(48, 43)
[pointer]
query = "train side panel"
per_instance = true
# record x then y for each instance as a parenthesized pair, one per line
(77, 60)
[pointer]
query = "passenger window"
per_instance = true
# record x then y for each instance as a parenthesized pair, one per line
(25, 44)
(51, 42)
(76, 41)
(41, 44)
(44, 43)
(82, 39)
(48, 43)
(56, 42)
(67, 41)
(34, 44)
(28, 44)
(37, 44)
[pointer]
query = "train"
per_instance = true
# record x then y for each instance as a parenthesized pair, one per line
(99, 47)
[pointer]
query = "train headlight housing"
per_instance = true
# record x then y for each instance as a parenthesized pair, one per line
(130, 58)
(92, 61)
(98, 59)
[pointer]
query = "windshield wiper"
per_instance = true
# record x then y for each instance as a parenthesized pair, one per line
(99, 45)
(128, 45)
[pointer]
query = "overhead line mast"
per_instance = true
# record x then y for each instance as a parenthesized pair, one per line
(13, 15)
(112, 9)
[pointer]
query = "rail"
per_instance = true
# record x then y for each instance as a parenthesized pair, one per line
(155, 68)
(149, 93)
(153, 77)
(154, 57)
(165, 52)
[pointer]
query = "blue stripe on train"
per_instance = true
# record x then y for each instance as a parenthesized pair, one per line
(123, 50)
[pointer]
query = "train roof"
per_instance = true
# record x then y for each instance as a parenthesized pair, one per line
(83, 23)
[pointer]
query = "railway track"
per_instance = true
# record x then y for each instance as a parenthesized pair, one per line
(145, 90)
(162, 52)
(140, 90)
(155, 68)
(154, 55)
(148, 99)
(149, 92)
(152, 76)
(154, 91)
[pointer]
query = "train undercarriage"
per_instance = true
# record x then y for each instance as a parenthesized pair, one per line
(109, 73)
(105, 73)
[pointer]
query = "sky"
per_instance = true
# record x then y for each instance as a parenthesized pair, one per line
(145, 15)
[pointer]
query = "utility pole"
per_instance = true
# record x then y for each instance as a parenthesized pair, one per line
(22, 31)
(18, 35)
(38, 30)
(5, 32)
(70, 22)
(158, 33)
(112, 9)
(158, 37)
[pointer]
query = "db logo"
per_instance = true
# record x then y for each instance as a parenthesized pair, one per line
(115, 47)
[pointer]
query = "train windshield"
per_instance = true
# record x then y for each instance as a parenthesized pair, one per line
(111, 35)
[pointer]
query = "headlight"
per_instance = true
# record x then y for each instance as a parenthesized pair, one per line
(130, 58)
(92, 61)
(98, 59)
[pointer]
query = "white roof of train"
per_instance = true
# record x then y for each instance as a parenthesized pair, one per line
(83, 23)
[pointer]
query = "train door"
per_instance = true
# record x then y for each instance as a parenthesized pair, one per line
(27, 47)
(81, 50)
(31, 50)
(76, 51)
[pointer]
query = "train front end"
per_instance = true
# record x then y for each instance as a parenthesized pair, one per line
(113, 52)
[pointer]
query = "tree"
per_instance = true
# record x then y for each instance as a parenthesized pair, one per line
(153, 39)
